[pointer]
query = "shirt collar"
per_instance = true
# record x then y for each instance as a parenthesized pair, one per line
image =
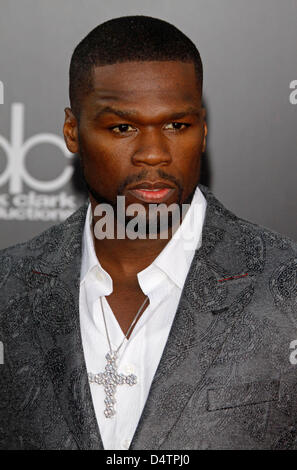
(90, 265)
(175, 259)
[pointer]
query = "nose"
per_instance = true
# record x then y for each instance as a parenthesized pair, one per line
(152, 149)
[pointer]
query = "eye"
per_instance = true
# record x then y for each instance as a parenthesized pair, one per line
(123, 128)
(176, 126)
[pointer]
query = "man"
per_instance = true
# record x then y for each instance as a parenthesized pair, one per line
(146, 342)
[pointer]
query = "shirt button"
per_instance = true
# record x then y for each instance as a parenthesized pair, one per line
(125, 444)
(130, 369)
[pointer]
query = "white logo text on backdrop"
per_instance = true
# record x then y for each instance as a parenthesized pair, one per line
(37, 204)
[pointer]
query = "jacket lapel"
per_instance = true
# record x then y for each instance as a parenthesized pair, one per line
(55, 298)
(217, 289)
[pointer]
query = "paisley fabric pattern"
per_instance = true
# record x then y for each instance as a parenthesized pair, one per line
(283, 286)
(224, 381)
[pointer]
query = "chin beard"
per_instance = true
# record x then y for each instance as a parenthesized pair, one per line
(100, 199)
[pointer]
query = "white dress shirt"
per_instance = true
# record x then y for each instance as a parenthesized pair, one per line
(162, 282)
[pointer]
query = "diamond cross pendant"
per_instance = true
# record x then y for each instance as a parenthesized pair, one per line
(110, 378)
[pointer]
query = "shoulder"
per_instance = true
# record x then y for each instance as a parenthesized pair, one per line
(238, 245)
(235, 246)
(43, 252)
(52, 236)
(221, 222)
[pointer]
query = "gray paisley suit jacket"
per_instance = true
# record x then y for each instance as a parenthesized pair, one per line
(224, 381)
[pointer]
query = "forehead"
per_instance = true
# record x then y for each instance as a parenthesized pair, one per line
(171, 82)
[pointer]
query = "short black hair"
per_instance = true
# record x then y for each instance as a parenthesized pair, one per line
(128, 39)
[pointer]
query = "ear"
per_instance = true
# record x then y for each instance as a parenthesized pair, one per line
(70, 131)
(205, 130)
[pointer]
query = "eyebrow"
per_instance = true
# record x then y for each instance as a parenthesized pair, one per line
(130, 114)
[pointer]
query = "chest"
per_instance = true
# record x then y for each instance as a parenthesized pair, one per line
(125, 301)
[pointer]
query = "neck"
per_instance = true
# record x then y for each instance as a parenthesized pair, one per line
(129, 255)
(126, 256)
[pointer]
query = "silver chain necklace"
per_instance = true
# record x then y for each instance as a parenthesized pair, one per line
(110, 378)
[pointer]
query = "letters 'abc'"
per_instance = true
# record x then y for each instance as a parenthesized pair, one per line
(15, 172)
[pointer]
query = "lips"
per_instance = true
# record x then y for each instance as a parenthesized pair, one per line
(156, 192)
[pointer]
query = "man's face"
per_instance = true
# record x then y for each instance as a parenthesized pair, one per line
(142, 125)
